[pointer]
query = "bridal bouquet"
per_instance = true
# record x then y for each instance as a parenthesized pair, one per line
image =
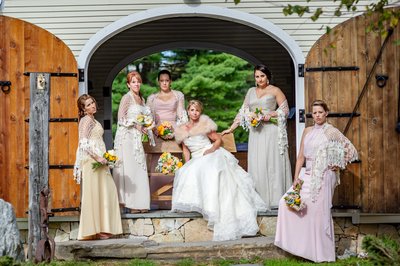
(253, 119)
(168, 163)
(111, 160)
(165, 130)
(293, 198)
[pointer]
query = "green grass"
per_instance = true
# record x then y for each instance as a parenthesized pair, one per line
(5, 261)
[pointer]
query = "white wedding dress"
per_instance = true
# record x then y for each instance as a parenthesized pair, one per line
(218, 188)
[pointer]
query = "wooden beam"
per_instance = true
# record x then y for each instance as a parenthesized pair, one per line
(38, 152)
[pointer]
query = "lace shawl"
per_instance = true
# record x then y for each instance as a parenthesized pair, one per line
(282, 111)
(181, 114)
(338, 151)
(128, 108)
(87, 146)
(203, 127)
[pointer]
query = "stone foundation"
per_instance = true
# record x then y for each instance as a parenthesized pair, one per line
(194, 229)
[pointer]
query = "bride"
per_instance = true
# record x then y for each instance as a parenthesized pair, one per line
(212, 183)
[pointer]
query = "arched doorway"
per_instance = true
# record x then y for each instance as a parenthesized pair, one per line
(200, 27)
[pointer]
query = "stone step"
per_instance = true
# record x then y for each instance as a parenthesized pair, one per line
(125, 249)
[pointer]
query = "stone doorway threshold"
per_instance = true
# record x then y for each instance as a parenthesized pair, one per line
(127, 249)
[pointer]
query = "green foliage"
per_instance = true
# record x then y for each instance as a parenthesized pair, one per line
(382, 250)
(6, 261)
(387, 18)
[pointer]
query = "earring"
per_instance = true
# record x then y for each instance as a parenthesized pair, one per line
(256, 84)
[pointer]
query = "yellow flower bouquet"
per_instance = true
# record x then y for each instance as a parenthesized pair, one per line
(111, 160)
(293, 199)
(168, 163)
(165, 130)
(254, 119)
(146, 120)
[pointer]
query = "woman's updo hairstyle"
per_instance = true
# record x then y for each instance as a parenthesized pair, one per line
(197, 104)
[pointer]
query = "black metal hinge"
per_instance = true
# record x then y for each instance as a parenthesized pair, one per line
(55, 74)
(59, 119)
(301, 70)
(337, 68)
(309, 115)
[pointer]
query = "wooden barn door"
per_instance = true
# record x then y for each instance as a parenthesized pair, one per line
(341, 68)
(26, 48)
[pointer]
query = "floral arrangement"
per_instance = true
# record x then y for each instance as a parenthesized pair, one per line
(111, 160)
(165, 130)
(253, 119)
(168, 163)
(293, 198)
(146, 119)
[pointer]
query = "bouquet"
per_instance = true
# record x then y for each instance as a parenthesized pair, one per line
(165, 130)
(111, 160)
(168, 163)
(253, 119)
(146, 120)
(293, 198)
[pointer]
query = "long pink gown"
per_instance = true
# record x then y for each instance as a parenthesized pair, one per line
(310, 232)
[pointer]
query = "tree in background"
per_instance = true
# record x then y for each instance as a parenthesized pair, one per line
(217, 79)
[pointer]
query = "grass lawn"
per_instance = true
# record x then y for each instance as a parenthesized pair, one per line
(139, 262)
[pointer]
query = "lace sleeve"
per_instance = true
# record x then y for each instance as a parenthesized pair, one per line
(150, 104)
(349, 151)
(282, 111)
(126, 101)
(337, 152)
(86, 147)
(181, 114)
(244, 109)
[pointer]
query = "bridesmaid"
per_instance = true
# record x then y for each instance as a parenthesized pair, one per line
(100, 217)
(130, 174)
(309, 233)
(167, 104)
(268, 159)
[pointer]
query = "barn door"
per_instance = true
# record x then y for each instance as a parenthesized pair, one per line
(26, 48)
(345, 69)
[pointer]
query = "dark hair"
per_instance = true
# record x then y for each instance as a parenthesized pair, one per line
(162, 72)
(264, 69)
(320, 103)
(197, 104)
(135, 74)
(81, 104)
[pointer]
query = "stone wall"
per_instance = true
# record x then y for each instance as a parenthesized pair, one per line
(347, 235)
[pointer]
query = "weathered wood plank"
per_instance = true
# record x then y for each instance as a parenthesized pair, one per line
(38, 152)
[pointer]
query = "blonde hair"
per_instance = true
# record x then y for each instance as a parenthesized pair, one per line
(197, 104)
(320, 103)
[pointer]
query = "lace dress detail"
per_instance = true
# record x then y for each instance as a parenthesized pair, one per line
(90, 145)
(338, 151)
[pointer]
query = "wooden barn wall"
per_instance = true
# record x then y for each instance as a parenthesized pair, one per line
(374, 183)
(28, 48)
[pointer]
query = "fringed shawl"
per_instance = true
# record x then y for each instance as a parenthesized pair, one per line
(337, 152)
(203, 127)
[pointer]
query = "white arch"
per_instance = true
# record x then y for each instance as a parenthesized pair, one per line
(202, 11)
